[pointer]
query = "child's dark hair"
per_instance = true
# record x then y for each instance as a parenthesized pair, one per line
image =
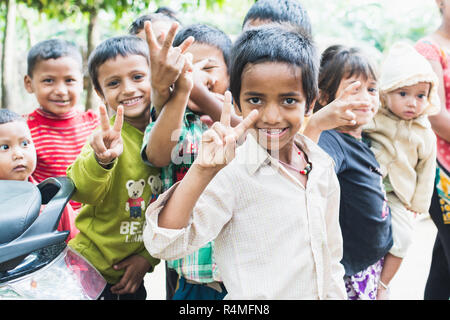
(340, 62)
(168, 12)
(110, 49)
(52, 49)
(274, 43)
(7, 116)
(290, 11)
(138, 24)
(206, 34)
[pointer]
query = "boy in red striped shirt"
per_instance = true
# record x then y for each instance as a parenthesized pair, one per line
(58, 128)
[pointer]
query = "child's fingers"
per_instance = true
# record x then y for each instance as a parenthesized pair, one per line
(230, 148)
(220, 97)
(188, 67)
(104, 119)
(351, 105)
(207, 154)
(119, 287)
(150, 37)
(211, 136)
(175, 59)
(116, 150)
(118, 123)
(199, 65)
(161, 37)
(221, 130)
(225, 117)
(167, 44)
(350, 117)
(242, 127)
(349, 89)
(98, 145)
(186, 44)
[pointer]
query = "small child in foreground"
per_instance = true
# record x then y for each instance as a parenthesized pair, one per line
(18, 160)
(274, 237)
(405, 146)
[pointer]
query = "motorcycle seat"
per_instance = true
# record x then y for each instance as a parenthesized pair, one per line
(20, 204)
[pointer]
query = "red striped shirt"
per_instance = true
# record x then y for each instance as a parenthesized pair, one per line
(58, 140)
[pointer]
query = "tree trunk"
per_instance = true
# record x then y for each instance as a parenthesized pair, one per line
(8, 61)
(93, 38)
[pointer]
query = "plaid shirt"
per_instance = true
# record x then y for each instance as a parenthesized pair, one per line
(198, 266)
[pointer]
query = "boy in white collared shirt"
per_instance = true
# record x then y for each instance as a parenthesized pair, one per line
(273, 209)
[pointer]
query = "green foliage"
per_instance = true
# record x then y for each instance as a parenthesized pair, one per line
(62, 9)
(374, 24)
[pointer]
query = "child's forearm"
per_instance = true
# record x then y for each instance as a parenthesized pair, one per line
(91, 180)
(313, 130)
(160, 98)
(210, 105)
(440, 124)
(166, 131)
(177, 211)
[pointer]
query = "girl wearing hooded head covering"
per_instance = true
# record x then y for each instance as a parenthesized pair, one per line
(405, 146)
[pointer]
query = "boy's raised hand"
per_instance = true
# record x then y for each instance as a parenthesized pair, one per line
(166, 62)
(218, 144)
(107, 142)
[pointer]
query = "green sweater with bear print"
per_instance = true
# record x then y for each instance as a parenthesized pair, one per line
(114, 200)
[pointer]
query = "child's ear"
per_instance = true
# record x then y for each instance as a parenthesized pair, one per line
(27, 83)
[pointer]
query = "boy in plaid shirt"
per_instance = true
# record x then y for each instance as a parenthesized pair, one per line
(173, 145)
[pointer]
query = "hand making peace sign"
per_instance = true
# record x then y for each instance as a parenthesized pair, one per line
(345, 103)
(338, 113)
(166, 62)
(107, 143)
(218, 144)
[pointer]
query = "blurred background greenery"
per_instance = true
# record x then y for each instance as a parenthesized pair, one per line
(372, 25)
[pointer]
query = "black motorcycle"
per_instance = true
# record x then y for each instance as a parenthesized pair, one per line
(35, 262)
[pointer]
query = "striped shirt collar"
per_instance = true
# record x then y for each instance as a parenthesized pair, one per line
(49, 115)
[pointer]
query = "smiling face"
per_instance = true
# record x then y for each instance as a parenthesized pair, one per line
(366, 92)
(275, 90)
(408, 102)
(57, 84)
(17, 152)
(126, 81)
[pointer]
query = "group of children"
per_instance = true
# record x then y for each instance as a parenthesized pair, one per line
(234, 190)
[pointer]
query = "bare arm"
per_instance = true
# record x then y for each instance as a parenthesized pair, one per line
(216, 151)
(166, 130)
(209, 104)
(441, 121)
(335, 114)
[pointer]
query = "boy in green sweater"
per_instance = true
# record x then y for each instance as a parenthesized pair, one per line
(111, 179)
